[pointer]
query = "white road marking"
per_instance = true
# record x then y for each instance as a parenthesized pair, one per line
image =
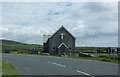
(71, 68)
(57, 64)
(84, 73)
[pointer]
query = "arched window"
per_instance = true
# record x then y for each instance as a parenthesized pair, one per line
(54, 44)
(70, 44)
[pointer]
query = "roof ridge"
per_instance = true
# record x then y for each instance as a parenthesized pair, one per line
(59, 29)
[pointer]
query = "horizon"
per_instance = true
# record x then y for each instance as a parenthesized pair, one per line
(42, 44)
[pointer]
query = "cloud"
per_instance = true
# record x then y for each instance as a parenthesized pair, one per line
(92, 23)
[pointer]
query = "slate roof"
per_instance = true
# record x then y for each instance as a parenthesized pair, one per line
(64, 29)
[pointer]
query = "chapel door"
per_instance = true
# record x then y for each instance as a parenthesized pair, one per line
(61, 50)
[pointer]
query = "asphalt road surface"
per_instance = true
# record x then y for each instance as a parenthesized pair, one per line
(48, 65)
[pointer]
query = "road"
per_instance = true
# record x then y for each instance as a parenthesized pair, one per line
(48, 65)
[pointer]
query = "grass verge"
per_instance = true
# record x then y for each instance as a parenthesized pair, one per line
(0, 67)
(9, 69)
(99, 59)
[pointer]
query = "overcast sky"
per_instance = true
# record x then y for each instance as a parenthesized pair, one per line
(92, 23)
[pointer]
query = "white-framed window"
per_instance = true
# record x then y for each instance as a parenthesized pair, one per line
(62, 36)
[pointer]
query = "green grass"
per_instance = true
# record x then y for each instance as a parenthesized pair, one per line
(9, 69)
(0, 67)
(20, 48)
(98, 59)
(99, 54)
(106, 57)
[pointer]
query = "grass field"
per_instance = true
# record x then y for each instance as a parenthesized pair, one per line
(9, 69)
(99, 59)
(99, 54)
(20, 48)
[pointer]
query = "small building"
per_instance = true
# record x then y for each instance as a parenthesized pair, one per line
(62, 42)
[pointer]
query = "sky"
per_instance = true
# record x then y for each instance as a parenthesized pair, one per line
(92, 23)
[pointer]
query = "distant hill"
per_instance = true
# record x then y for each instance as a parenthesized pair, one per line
(3, 41)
